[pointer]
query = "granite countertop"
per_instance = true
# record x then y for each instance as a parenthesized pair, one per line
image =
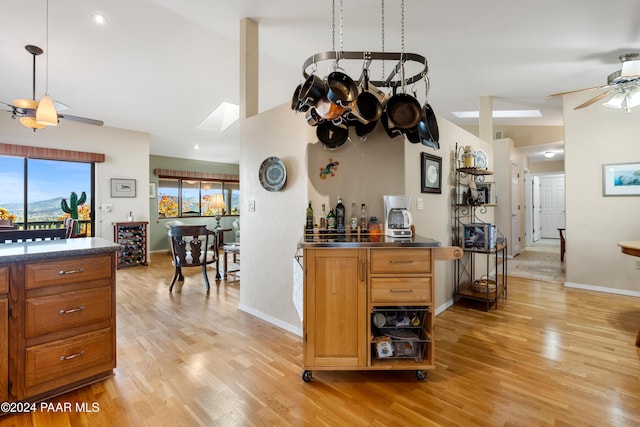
(355, 241)
(53, 249)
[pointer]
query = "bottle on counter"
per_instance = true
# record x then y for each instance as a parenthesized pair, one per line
(374, 229)
(340, 215)
(354, 217)
(130, 216)
(331, 220)
(364, 224)
(309, 223)
(322, 221)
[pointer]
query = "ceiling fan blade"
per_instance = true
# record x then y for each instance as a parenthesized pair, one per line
(577, 90)
(594, 99)
(81, 119)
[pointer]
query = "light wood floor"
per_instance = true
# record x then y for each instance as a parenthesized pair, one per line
(548, 356)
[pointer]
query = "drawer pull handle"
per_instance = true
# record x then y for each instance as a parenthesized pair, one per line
(402, 261)
(71, 310)
(402, 290)
(71, 356)
(62, 272)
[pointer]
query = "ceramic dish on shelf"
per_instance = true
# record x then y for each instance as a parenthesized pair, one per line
(481, 159)
(272, 174)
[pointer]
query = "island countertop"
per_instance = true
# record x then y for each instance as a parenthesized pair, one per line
(365, 241)
(52, 249)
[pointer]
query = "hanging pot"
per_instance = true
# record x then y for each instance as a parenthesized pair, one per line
(328, 110)
(342, 90)
(403, 110)
(312, 90)
(428, 126)
(390, 128)
(313, 118)
(296, 102)
(332, 136)
(362, 130)
(367, 106)
(412, 135)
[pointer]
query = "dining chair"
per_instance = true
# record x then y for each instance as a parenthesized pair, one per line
(192, 246)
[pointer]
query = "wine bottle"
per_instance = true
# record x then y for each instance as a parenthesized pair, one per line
(354, 217)
(323, 219)
(309, 225)
(331, 220)
(340, 215)
(363, 218)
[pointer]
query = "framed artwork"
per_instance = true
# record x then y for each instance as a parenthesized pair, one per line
(152, 190)
(123, 187)
(431, 173)
(621, 179)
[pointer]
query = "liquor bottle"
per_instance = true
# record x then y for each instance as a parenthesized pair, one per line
(340, 215)
(331, 220)
(354, 217)
(323, 219)
(364, 225)
(309, 225)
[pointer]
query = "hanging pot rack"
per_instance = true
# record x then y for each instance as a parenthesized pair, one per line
(393, 80)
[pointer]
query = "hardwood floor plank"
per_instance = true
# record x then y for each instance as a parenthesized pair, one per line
(548, 356)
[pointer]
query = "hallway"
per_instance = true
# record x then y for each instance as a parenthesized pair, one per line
(540, 262)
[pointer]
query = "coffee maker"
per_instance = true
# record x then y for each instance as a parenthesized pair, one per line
(397, 218)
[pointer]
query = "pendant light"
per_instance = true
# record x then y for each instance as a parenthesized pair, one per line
(46, 113)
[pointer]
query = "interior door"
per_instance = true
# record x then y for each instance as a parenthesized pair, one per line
(551, 205)
(535, 208)
(514, 242)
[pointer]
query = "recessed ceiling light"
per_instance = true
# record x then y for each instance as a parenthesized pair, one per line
(196, 146)
(549, 154)
(499, 114)
(99, 19)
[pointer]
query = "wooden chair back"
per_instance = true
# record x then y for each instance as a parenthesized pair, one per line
(192, 246)
(32, 235)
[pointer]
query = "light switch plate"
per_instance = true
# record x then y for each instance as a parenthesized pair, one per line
(252, 205)
(419, 203)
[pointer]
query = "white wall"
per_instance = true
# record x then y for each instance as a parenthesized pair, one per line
(126, 156)
(595, 136)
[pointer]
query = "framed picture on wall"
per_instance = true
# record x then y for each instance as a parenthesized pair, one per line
(123, 187)
(431, 173)
(621, 179)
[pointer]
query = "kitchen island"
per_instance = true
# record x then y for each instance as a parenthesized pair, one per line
(369, 302)
(57, 299)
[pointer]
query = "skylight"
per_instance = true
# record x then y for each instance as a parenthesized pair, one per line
(221, 118)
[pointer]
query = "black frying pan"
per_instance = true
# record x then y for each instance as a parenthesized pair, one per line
(428, 126)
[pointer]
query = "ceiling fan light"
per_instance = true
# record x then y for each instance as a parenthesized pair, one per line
(631, 68)
(30, 122)
(616, 101)
(633, 98)
(46, 113)
(29, 104)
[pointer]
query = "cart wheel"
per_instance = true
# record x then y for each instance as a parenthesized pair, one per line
(306, 376)
(421, 374)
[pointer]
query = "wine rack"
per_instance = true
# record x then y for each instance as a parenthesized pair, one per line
(133, 237)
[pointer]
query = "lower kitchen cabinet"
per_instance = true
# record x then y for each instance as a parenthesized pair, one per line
(368, 308)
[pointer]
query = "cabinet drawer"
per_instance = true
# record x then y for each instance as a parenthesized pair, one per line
(4, 280)
(67, 310)
(401, 260)
(64, 271)
(90, 353)
(401, 290)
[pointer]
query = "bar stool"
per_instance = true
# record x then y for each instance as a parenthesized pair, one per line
(234, 250)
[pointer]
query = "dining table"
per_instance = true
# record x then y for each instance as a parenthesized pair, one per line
(631, 247)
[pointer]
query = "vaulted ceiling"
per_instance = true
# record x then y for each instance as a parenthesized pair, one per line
(161, 66)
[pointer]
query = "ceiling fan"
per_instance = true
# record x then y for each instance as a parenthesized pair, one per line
(25, 109)
(624, 84)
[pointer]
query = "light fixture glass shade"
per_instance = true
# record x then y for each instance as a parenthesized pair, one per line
(631, 68)
(633, 98)
(30, 122)
(616, 101)
(30, 104)
(46, 113)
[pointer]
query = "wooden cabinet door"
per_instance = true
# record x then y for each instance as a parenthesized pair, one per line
(335, 316)
(4, 348)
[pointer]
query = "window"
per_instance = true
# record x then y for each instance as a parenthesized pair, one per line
(189, 197)
(38, 188)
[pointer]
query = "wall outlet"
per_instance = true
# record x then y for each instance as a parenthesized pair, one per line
(252, 205)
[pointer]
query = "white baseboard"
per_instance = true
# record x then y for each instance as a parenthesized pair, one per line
(444, 306)
(276, 322)
(602, 289)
